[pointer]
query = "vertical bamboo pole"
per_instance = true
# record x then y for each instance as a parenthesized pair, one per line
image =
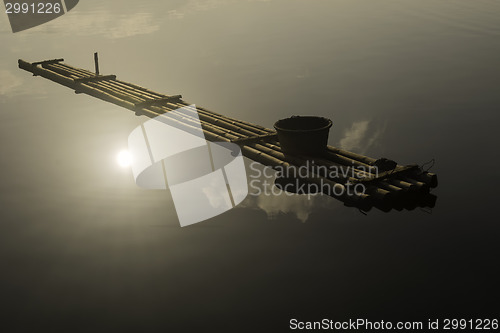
(96, 62)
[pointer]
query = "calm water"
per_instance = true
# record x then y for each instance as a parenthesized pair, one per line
(82, 246)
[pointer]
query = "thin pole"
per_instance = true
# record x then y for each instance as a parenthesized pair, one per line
(96, 61)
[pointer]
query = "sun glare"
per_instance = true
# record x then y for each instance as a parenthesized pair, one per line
(124, 159)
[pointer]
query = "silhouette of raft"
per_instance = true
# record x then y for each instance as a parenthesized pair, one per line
(297, 142)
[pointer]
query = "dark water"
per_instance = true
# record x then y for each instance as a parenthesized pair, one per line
(82, 248)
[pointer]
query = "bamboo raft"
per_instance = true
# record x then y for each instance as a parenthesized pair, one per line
(397, 187)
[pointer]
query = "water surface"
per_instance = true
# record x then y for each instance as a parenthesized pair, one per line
(408, 80)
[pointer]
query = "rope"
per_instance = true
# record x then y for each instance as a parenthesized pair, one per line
(431, 162)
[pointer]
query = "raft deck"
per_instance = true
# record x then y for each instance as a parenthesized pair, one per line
(388, 184)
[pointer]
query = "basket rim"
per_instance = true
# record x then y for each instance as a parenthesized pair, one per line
(329, 124)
